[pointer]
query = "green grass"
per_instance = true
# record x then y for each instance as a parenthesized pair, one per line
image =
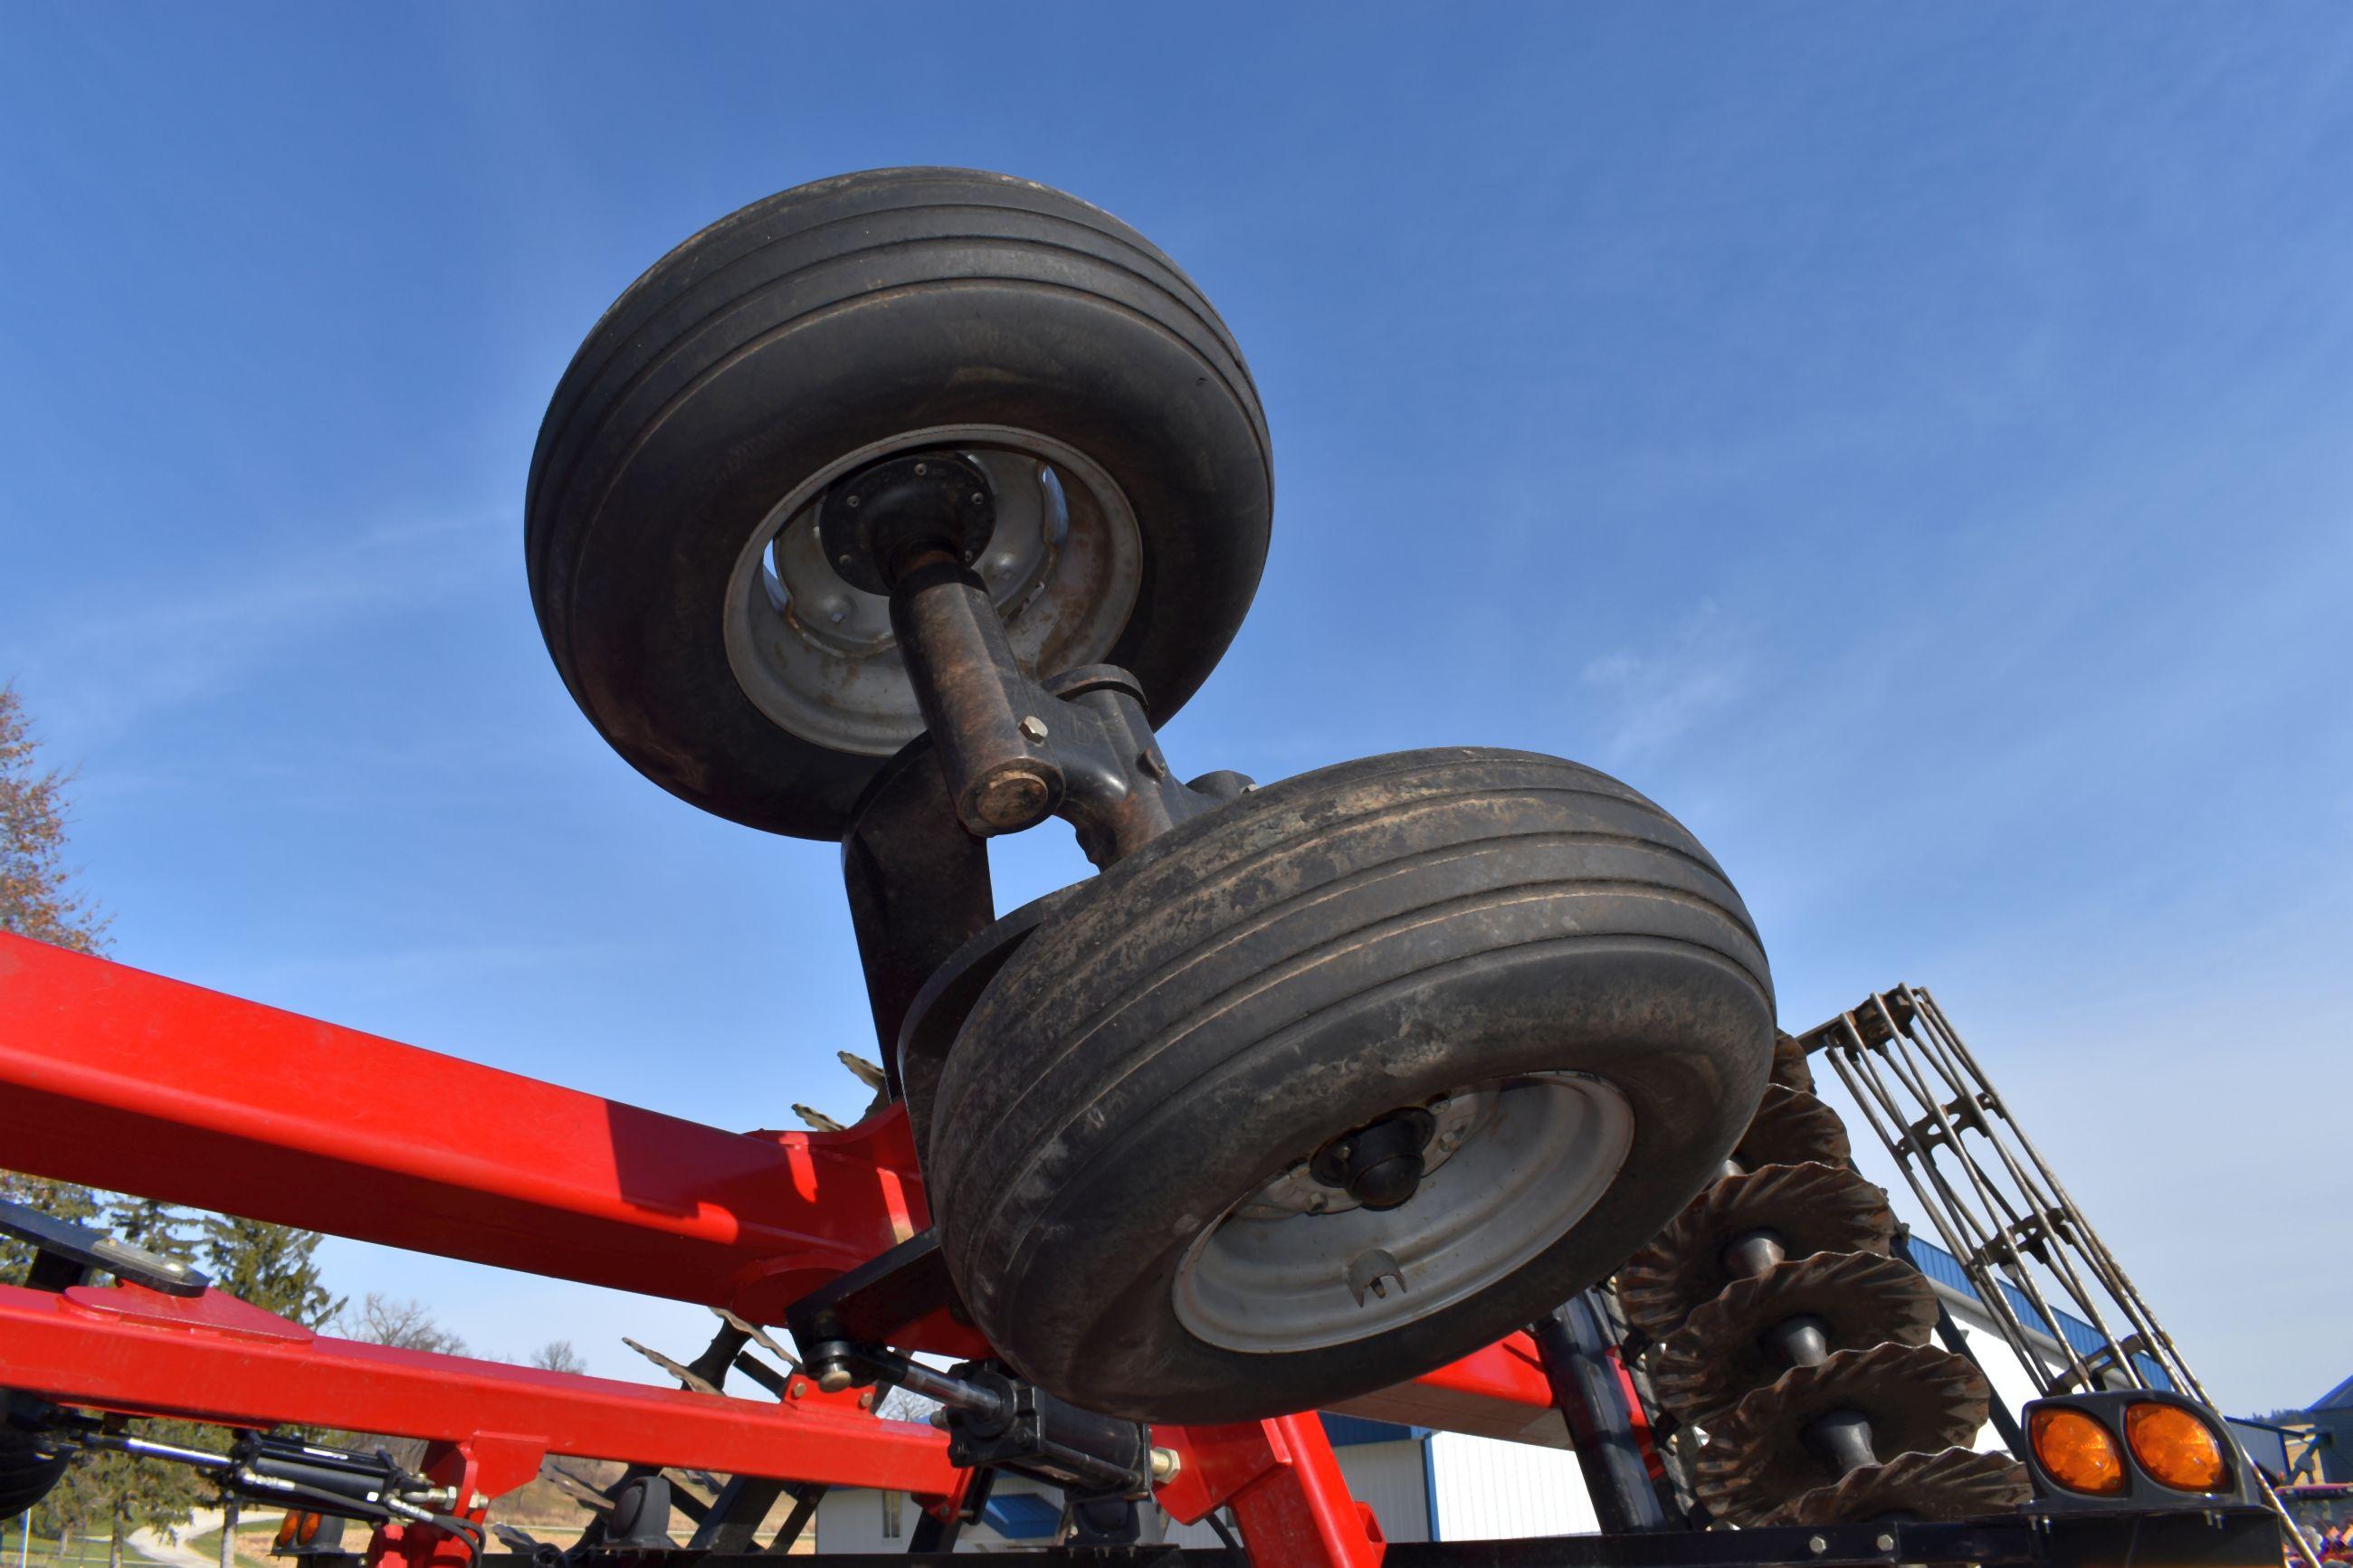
(84, 1553)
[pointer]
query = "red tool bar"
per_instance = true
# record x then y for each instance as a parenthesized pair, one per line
(118, 1079)
(217, 1359)
(123, 1079)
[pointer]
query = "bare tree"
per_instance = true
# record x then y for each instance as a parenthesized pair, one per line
(404, 1325)
(37, 897)
(557, 1355)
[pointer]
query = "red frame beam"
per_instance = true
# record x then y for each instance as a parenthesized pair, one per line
(118, 1079)
(215, 1358)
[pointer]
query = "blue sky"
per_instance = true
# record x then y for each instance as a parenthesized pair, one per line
(1911, 444)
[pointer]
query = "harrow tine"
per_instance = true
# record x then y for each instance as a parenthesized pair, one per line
(817, 1118)
(760, 1337)
(865, 1072)
(584, 1494)
(679, 1370)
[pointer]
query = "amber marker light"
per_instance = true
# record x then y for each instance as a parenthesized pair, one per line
(2077, 1452)
(2176, 1448)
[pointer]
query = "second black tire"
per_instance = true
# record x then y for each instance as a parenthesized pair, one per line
(1241, 992)
(838, 323)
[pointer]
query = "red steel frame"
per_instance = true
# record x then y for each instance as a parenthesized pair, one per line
(123, 1079)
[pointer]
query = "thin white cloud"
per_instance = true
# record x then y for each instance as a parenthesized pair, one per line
(1655, 696)
(102, 662)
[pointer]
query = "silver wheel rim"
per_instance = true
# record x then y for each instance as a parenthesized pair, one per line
(1512, 1165)
(817, 656)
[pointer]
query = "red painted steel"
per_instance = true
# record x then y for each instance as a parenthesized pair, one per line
(215, 1358)
(1497, 1391)
(120, 1079)
(1284, 1485)
(123, 1079)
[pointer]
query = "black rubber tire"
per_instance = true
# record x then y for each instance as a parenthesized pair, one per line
(1227, 998)
(25, 1475)
(808, 325)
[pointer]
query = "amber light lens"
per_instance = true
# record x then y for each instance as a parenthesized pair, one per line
(2176, 1448)
(2077, 1451)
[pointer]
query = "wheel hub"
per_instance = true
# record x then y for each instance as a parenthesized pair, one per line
(874, 520)
(1380, 1166)
(1338, 1248)
(817, 652)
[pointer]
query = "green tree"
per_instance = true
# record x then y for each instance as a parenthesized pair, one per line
(271, 1266)
(37, 899)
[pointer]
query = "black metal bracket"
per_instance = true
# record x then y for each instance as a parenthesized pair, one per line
(918, 885)
(66, 1255)
(1574, 1343)
(835, 1325)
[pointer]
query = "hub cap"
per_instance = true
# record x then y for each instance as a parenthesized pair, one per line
(816, 654)
(1511, 1165)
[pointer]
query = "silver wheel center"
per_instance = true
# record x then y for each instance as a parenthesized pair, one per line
(819, 656)
(1510, 1167)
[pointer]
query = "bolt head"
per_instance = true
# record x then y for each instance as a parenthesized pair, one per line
(1817, 1545)
(1033, 730)
(852, 499)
